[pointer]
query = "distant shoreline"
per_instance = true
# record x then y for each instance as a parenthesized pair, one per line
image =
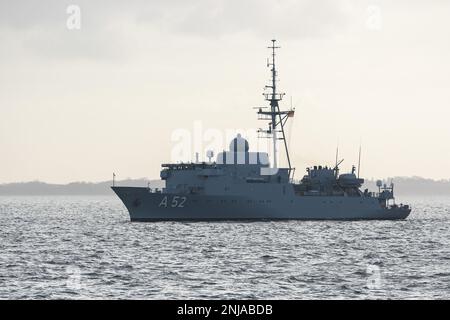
(414, 186)
(403, 186)
(74, 188)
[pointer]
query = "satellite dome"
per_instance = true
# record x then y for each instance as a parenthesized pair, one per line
(239, 144)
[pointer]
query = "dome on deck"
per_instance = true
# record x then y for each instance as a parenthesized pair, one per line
(239, 144)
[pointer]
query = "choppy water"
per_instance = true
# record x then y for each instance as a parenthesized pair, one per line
(85, 247)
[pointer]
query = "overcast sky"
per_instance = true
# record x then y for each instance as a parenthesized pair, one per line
(78, 104)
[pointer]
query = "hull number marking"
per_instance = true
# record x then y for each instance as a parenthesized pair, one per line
(176, 202)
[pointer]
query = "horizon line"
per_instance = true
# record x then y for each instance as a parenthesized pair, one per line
(146, 178)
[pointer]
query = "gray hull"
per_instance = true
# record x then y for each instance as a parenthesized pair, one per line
(143, 205)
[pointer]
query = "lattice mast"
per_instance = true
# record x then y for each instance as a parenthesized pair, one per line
(276, 117)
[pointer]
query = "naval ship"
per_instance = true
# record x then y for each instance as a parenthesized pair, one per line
(244, 185)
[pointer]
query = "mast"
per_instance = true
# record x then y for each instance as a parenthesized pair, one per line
(274, 104)
(276, 117)
(336, 163)
(359, 159)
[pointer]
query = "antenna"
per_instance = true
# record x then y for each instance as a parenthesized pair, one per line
(210, 154)
(337, 154)
(336, 165)
(359, 160)
(392, 189)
